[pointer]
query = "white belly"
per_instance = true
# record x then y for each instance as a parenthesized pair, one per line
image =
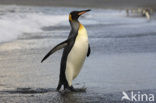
(77, 56)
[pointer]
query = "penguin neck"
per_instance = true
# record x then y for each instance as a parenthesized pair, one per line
(74, 25)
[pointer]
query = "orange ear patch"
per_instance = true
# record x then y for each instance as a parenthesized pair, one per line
(70, 17)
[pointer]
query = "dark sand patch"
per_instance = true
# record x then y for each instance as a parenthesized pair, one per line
(68, 97)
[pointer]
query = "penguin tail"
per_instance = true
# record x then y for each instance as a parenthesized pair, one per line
(64, 83)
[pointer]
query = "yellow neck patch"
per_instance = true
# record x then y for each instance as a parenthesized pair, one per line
(81, 27)
(82, 32)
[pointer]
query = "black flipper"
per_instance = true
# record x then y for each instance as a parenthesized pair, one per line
(89, 50)
(57, 47)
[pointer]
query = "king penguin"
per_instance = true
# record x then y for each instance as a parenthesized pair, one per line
(76, 49)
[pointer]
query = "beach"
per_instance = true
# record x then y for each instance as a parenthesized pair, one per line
(123, 54)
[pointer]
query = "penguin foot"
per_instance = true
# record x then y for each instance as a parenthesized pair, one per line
(65, 91)
(72, 89)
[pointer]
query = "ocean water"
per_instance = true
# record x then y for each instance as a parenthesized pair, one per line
(123, 51)
(19, 20)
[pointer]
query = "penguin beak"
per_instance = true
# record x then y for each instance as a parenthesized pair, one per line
(83, 11)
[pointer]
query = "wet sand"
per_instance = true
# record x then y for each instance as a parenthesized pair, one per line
(66, 97)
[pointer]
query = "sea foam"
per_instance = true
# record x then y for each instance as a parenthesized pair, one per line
(13, 23)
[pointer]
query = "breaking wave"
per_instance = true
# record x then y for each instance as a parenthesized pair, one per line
(14, 23)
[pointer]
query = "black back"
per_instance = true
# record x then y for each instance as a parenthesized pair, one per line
(73, 34)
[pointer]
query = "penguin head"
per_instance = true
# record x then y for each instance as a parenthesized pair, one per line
(74, 15)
